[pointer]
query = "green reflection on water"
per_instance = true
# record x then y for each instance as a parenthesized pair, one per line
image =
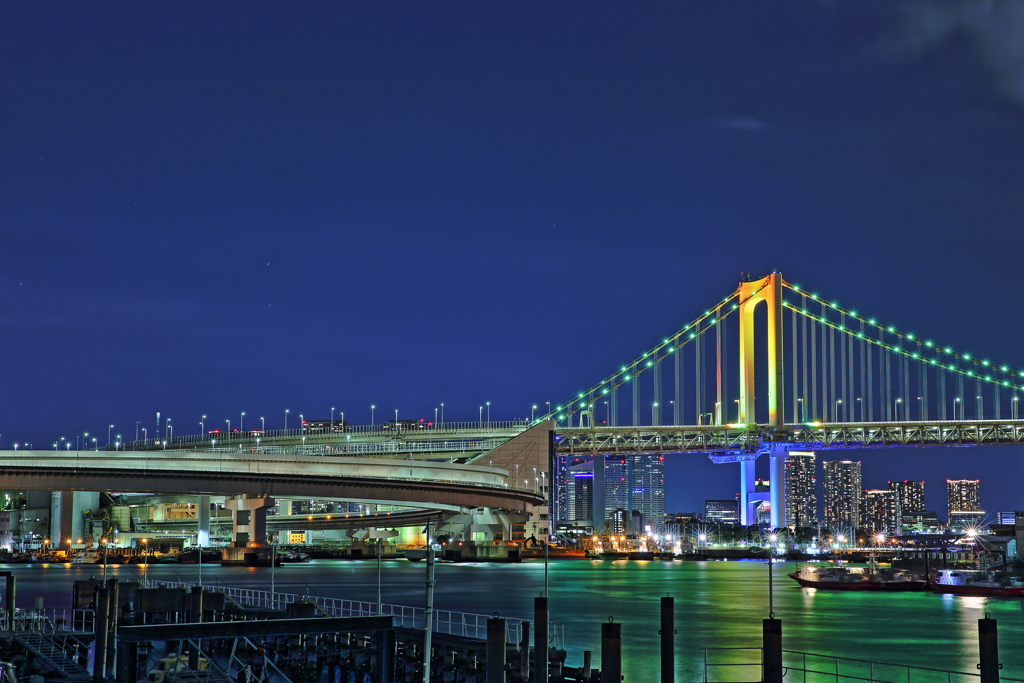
(722, 604)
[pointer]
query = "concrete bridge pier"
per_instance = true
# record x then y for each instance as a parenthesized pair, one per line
(203, 518)
(249, 514)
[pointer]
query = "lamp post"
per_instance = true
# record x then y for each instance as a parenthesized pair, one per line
(654, 414)
(442, 413)
(202, 426)
(480, 418)
(955, 401)
(396, 418)
(372, 422)
(860, 409)
(1013, 405)
(533, 410)
(838, 403)
(332, 417)
(800, 403)
(263, 425)
(435, 417)
(229, 429)
(109, 427)
(981, 408)
(241, 422)
(920, 408)
(286, 411)
(896, 408)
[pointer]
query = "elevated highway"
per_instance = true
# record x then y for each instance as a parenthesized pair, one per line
(450, 486)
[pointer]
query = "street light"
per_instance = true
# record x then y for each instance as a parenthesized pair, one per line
(955, 401)
(920, 408)
(838, 403)
(488, 412)
(241, 422)
(800, 403)
(202, 426)
(372, 408)
(286, 411)
(860, 407)
(332, 417)
(263, 425)
(442, 413)
(480, 418)
(896, 408)
(109, 427)
(533, 410)
(654, 413)
(981, 408)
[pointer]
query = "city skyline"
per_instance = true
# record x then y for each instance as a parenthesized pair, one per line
(417, 207)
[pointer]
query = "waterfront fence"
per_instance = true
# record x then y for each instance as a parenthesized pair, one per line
(730, 664)
(448, 622)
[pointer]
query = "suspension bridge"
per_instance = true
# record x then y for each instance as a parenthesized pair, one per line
(772, 368)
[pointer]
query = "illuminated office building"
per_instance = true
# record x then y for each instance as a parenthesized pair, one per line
(842, 495)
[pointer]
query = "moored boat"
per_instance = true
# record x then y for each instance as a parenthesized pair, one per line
(978, 582)
(856, 579)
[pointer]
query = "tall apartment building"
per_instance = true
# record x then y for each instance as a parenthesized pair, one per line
(648, 488)
(962, 502)
(842, 494)
(909, 494)
(631, 483)
(801, 492)
(880, 511)
(724, 511)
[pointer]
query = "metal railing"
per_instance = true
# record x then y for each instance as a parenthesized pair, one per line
(314, 434)
(807, 667)
(49, 620)
(448, 622)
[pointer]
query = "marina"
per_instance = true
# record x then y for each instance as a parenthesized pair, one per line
(718, 605)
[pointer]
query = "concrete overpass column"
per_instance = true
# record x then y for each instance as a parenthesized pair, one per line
(249, 513)
(747, 516)
(777, 478)
(66, 515)
(203, 518)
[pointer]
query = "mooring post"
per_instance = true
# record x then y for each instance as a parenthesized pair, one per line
(611, 652)
(540, 640)
(496, 650)
(99, 660)
(9, 595)
(988, 648)
(668, 630)
(524, 652)
(771, 654)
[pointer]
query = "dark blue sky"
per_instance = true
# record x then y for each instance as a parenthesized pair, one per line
(210, 209)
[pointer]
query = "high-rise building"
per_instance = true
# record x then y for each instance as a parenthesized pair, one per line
(842, 495)
(581, 491)
(801, 493)
(724, 511)
(962, 495)
(647, 481)
(880, 511)
(909, 494)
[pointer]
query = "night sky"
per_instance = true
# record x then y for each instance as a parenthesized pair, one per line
(215, 208)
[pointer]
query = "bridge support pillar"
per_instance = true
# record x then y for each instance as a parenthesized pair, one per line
(203, 518)
(747, 502)
(777, 478)
(249, 514)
